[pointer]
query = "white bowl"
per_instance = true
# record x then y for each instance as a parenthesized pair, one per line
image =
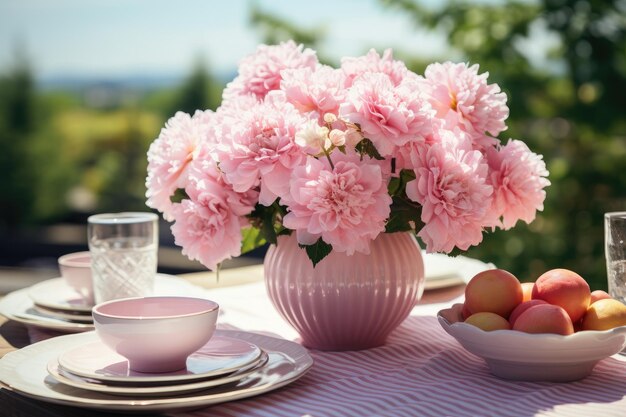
(516, 355)
(156, 334)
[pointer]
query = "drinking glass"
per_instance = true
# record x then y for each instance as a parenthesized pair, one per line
(123, 250)
(615, 251)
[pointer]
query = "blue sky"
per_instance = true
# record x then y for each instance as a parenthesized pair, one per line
(111, 38)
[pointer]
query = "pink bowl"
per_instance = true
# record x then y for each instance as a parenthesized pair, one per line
(76, 270)
(156, 334)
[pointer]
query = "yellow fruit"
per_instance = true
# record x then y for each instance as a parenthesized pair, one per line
(604, 315)
(488, 321)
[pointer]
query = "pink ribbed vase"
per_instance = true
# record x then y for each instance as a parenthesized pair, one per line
(346, 302)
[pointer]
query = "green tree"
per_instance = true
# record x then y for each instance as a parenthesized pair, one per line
(17, 124)
(569, 110)
(199, 91)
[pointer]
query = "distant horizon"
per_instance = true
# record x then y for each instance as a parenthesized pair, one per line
(137, 80)
(117, 39)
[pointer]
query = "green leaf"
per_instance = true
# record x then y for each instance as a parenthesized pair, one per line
(251, 239)
(366, 147)
(317, 251)
(179, 195)
(394, 186)
(405, 215)
(267, 226)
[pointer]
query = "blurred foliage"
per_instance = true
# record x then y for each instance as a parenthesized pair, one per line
(567, 105)
(32, 166)
(17, 123)
(61, 154)
(66, 154)
(198, 91)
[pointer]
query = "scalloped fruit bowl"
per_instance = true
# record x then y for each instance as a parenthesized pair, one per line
(515, 355)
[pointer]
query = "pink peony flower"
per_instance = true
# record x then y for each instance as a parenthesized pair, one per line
(372, 62)
(258, 147)
(182, 140)
(346, 206)
(260, 72)
(442, 132)
(459, 93)
(451, 186)
(390, 116)
(208, 224)
(519, 178)
(317, 90)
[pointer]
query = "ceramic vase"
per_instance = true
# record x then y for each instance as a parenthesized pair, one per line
(346, 302)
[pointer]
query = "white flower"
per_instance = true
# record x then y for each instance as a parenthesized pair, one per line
(330, 118)
(313, 138)
(337, 137)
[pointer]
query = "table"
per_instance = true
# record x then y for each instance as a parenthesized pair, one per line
(421, 371)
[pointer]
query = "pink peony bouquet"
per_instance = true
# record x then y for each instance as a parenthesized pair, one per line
(340, 155)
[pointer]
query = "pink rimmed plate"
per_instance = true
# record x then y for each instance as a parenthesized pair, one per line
(516, 355)
(220, 356)
(24, 372)
(70, 379)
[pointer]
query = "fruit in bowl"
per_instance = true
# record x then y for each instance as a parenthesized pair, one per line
(544, 343)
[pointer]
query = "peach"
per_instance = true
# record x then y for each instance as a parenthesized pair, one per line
(488, 321)
(527, 291)
(604, 315)
(544, 318)
(465, 313)
(599, 295)
(566, 289)
(495, 291)
(523, 307)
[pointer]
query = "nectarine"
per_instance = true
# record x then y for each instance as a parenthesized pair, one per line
(544, 318)
(527, 291)
(517, 311)
(566, 289)
(599, 295)
(496, 291)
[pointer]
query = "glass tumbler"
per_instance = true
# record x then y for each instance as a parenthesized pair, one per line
(615, 251)
(123, 250)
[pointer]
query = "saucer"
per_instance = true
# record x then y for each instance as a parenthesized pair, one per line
(220, 356)
(60, 314)
(70, 379)
(24, 372)
(57, 295)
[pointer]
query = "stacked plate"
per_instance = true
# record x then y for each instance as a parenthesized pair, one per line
(94, 367)
(78, 370)
(52, 299)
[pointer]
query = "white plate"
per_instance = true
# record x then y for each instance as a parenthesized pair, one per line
(442, 271)
(56, 294)
(60, 314)
(159, 390)
(511, 354)
(24, 371)
(221, 355)
(17, 305)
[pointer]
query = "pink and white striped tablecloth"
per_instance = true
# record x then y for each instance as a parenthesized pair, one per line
(421, 371)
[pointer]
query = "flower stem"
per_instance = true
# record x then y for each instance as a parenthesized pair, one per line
(332, 166)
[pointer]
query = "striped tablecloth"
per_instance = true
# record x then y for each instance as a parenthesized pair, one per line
(421, 371)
